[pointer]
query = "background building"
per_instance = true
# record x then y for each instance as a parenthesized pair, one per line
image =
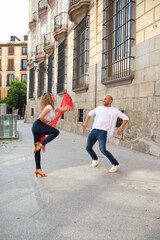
(13, 62)
(91, 48)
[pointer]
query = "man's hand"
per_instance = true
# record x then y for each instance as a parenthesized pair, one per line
(86, 122)
(85, 125)
(119, 130)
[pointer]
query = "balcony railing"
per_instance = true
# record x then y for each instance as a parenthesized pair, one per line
(61, 21)
(23, 69)
(49, 43)
(8, 126)
(33, 20)
(11, 68)
(48, 39)
(78, 9)
(31, 56)
(72, 2)
(39, 49)
(42, 7)
(33, 17)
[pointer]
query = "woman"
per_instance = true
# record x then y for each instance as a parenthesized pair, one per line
(41, 127)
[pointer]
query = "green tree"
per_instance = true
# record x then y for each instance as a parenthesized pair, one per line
(17, 94)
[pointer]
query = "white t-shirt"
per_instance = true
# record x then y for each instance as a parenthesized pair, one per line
(50, 116)
(106, 118)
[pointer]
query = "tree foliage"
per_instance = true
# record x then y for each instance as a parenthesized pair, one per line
(17, 94)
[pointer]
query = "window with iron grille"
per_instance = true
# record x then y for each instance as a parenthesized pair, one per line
(81, 50)
(117, 40)
(24, 50)
(119, 121)
(41, 79)
(26, 38)
(80, 115)
(10, 64)
(24, 64)
(10, 78)
(31, 82)
(11, 50)
(61, 67)
(23, 77)
(32, 112)
(50, 72)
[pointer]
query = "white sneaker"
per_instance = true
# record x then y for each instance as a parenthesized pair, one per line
(94, 163)
(114, 168)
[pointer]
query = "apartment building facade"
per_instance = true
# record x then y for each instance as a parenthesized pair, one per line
(13, 62)
(92, 48)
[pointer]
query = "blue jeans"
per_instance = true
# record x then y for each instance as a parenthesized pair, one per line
(101, 136)
(39, 128)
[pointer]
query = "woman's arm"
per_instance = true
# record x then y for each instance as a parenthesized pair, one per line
(43, 114)
(62, 109)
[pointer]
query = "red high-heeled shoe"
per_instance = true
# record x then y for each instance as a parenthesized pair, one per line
(39, 172)
(38, 146)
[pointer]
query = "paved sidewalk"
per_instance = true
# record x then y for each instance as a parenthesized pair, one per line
(76, 202)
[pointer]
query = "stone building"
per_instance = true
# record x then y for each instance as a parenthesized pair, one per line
(91, 48)
(13, 62)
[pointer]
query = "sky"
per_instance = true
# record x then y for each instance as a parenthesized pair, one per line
(13, 18)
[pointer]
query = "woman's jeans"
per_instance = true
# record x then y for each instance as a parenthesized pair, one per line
(101, 136)
(39, 128)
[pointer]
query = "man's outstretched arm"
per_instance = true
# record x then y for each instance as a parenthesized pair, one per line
(86, 122)
(120, 129)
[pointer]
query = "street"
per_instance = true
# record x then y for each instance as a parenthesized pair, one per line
(76, 202)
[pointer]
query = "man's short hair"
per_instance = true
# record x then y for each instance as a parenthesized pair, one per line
(111, 98)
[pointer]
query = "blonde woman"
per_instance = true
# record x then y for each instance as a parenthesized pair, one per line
(40, 127)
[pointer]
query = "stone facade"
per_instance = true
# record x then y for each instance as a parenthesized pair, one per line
(140, 100)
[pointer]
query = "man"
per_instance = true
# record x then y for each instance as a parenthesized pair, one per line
(103, 129)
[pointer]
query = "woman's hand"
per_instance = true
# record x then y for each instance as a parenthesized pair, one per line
(62, 109)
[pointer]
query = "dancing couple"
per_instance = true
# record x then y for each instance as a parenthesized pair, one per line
(102, 129)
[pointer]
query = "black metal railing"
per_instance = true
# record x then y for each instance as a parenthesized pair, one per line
(23, 69)
(61, 67)
(11, 68)
(39, 49)
(41, 72)
(81, 54)
(48, 39)
(72, 2)
(61, 21)
(117, 38)
(33, 18)
(31, 82)
(42, 5)
(31, 56)
(50, 72)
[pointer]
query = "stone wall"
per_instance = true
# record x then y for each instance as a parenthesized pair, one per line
(139, 100)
